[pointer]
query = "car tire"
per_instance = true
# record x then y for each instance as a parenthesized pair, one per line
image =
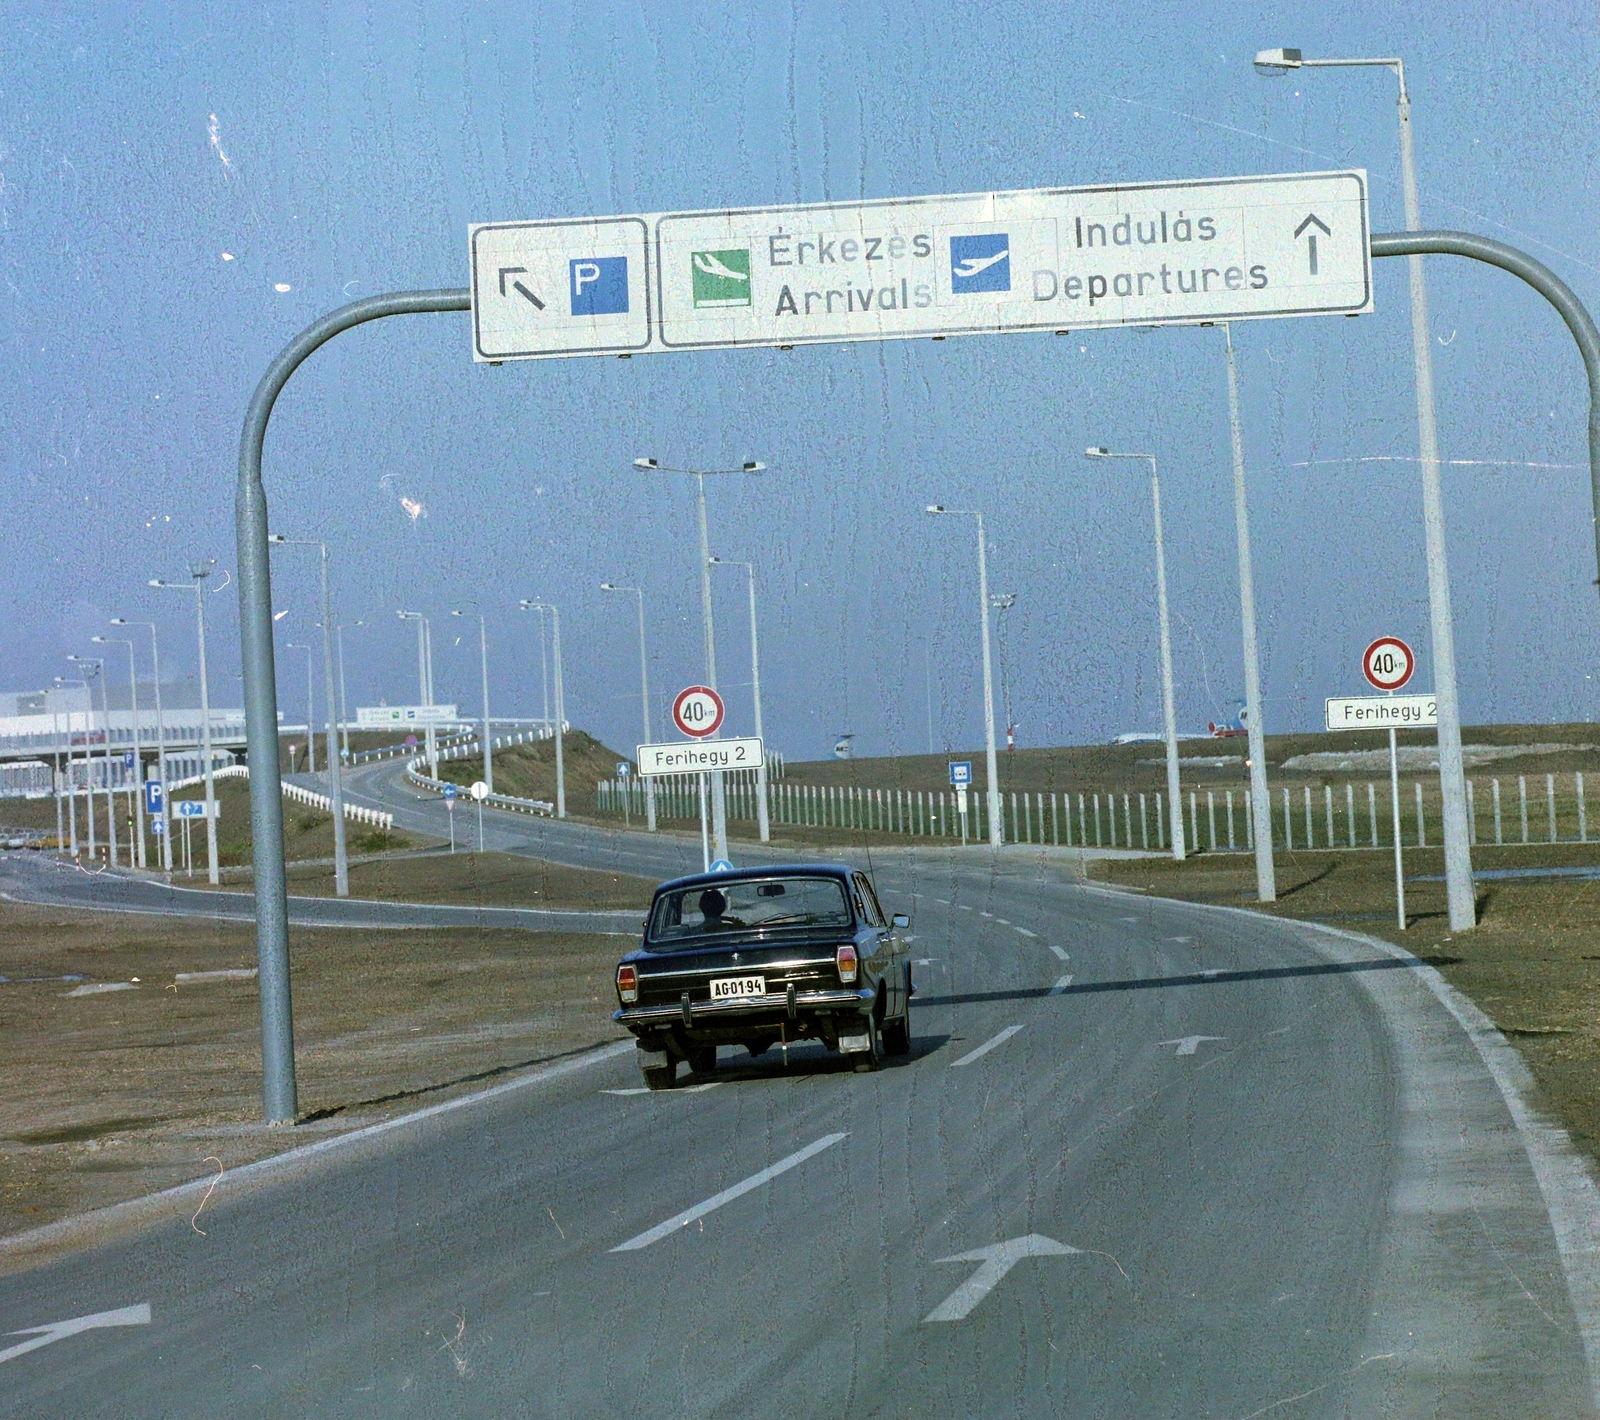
(897, 1036)
(703, 1061)
(871, 1059)
(660, 1077)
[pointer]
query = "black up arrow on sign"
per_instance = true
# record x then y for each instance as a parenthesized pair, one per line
(1312, 220)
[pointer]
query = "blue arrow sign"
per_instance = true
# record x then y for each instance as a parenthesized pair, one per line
(450, 791)
(722, 865)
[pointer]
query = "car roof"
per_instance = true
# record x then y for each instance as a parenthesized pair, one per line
(841, 871)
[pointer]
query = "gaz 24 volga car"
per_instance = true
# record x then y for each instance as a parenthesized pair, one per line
(755, 957)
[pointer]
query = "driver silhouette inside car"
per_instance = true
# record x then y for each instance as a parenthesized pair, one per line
(712, 905)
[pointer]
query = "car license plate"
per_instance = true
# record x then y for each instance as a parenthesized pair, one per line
(728, 988)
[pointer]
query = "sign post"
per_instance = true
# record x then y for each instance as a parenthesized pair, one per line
(961, 778)
(479, 792)
(450, 792)
(1387, 664)
(698, 711)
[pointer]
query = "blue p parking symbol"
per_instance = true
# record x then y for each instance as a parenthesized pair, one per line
(599, 285)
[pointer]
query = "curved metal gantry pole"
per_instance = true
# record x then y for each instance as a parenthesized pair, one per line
(1547, 284)
(278, 1089)
(279, 1095)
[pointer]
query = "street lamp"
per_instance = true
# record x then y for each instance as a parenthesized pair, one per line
(644, 700)
(719, 801)
(98, 673)
(1168, 710)
(344, 703)
(561, 701)
(138, 757)
(425, 677)
(72, 788)
(161, 742)
(1002, 602)
(311, 709)
(341, 859)
(1452, 772)
(488, 736)
(991, 763)
(755, 679)
(198, 572)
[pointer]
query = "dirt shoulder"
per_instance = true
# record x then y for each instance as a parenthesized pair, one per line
(1532, 965)
(133, 1090)
(472, 880)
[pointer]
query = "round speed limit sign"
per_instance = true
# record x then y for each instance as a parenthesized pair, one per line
(1388, 663)
(697, 711)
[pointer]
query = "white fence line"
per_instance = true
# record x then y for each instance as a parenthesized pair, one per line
(309, 797)
(507, 802)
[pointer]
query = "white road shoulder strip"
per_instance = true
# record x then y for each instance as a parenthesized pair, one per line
(59, 1330)
(690, 1215)
(986, 1047)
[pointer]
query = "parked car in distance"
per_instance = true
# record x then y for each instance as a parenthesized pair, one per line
(762, 955)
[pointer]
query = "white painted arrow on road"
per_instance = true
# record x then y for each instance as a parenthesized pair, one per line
(1190, 1043)
(60, 1330)
(997, 1260)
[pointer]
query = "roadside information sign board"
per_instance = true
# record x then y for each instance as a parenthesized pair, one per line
(698, 758)
(960, 773)
(194, 808)
(1383, 712)
(1388, 663)
(376, 716)
(153, 802)
(698, 712)
(1045, 259)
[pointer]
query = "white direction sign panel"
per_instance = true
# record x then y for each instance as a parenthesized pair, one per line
(699, 756)
(1382, 712)
(377, 716)
(1038, 260)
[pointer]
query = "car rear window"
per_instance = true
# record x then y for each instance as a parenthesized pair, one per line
(747, 905)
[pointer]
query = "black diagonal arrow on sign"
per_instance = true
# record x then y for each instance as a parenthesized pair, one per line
(1312, 220)
(506, 271)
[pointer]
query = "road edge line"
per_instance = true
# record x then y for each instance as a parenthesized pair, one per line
(1565, 1176)
(149, 1208)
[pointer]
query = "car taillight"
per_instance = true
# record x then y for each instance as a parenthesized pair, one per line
(627, 984)
(845, 959)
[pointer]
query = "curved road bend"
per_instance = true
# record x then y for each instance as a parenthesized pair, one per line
(1147, 1159)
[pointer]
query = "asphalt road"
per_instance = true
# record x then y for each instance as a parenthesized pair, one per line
(1147, 1159)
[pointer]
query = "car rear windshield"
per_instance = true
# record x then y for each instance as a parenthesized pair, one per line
(747, 905)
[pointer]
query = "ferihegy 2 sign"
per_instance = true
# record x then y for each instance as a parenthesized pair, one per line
(1046, 259)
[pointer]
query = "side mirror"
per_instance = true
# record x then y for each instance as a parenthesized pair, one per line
(901, 920)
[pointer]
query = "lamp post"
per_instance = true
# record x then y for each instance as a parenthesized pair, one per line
(1168, 709)
(137, 855)
(344, 704)
(311, 728)
(762, 816)
(72, 789)
(1255, 726)
(425, 680)
(1002, 602)
(161, 741)
(561, 701)
(644, 700)
(991, 761)
(719, 799)
(1452, 772)
(488, 735)
(341, 858)
(98, 673)
(198, 572)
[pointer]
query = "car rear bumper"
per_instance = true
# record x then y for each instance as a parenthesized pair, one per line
(772, 1007)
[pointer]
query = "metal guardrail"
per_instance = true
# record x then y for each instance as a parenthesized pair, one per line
(377, 817)
(508, 802)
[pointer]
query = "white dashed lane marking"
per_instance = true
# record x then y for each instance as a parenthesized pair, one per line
(1061, 985)
(1057, 950)
(986, 1047)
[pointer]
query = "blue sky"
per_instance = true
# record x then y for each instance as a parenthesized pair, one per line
(183, 188)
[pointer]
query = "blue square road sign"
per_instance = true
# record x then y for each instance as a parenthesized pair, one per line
(960, 772)
(599, 285)
(980, 263)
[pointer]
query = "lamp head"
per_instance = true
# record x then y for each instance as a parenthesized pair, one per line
(753, 467)
(98, 640)
(276, 537)
(607, 587)
(646, 463)
(118, 621)
(934, 508)
(1276, 62)
(1098, 452)
(714, 561)
(157, 582)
